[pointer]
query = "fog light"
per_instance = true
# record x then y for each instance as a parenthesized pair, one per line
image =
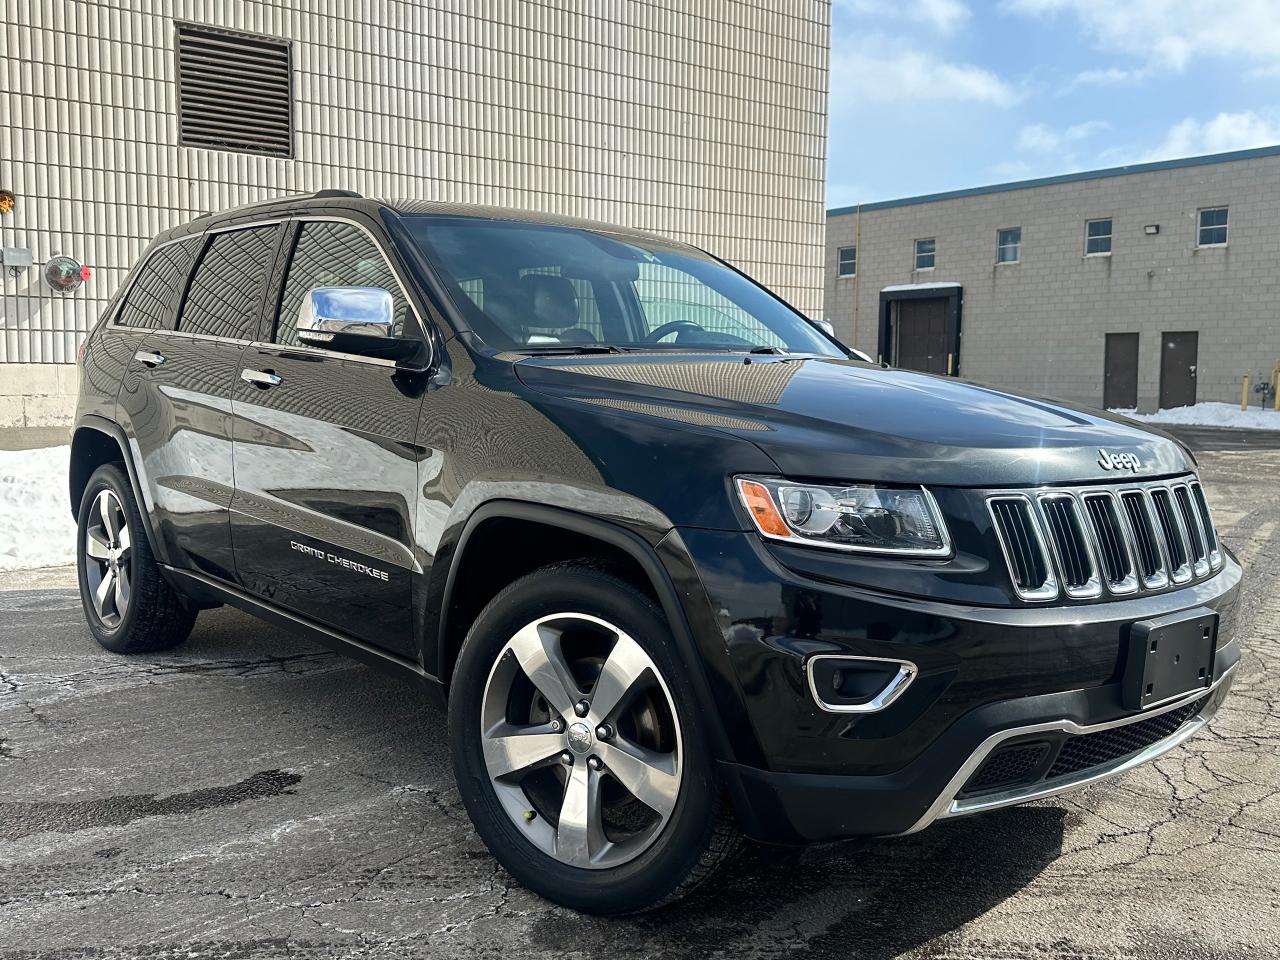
(851, 684)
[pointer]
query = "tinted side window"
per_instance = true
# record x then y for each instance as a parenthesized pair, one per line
(154, 295)
(226, 291)
(332, 254)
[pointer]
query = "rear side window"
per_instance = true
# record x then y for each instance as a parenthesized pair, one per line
(226, 291)
(153, 297)
(333, 254)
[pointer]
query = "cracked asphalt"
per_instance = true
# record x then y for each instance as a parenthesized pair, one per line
(251, 795)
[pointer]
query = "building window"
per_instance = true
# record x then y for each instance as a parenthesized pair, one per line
(234, 91)
(1097, 238)
(847, 262)
(1213, 227)
(924, 254)
(1009, 245)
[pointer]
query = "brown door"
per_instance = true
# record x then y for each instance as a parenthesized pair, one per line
(1178, 369)
(1120, 377)
(921, 335)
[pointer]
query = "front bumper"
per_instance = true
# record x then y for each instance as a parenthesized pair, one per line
(989, 678)
(791, 807)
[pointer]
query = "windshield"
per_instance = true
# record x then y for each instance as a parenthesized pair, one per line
(543, 288)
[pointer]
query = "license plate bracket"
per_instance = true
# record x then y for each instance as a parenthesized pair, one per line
(1169, 657)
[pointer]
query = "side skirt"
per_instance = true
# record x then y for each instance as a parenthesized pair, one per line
(202, 589)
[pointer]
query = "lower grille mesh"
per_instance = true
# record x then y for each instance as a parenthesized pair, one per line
(1007, 766)
(1094, 749)
(1023, 763)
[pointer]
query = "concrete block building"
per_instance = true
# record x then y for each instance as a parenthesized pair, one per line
(702, 121)
(1153, 285)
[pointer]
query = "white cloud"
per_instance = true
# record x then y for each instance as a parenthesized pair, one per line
(902, 75)
(945, 16)
(1104, 77)
(1226, 131)
(1171, 33)
(1039, 138)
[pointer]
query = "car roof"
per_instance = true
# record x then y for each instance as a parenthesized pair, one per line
(337, 200)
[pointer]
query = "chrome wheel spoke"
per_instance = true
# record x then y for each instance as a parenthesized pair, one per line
(537, 648)
(106, 511)
(649, 776)
(580, 832)
(122, 592)
(124, 540)
(627, 663)
(95, 545)
(510, 749)
(105, 592)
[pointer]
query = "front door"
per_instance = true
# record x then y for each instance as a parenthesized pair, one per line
(176, 399)
(1178, 355)
(326, 464)
(1120, 376)
(920, 340)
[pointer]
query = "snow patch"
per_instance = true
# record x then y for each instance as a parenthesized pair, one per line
(1210, 415)
(36, 526)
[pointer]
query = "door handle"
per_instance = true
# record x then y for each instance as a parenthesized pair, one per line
(263, 379)
(149, 358)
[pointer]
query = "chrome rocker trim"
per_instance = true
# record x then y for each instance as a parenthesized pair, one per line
(947, 805)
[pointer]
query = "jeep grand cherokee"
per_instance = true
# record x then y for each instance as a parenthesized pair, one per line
(681, 567)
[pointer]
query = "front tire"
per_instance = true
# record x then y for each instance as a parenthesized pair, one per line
(129, 606)
(579, 747)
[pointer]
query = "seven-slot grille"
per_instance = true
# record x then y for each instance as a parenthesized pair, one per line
(1088, 540)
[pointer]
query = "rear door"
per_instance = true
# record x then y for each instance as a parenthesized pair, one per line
(326, 464)
(175, 401)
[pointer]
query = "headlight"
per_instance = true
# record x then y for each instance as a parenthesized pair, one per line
(861, 517)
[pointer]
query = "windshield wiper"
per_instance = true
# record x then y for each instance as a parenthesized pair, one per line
(570, 349)
(764, 349)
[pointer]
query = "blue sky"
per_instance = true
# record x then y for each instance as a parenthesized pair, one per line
(930, 95)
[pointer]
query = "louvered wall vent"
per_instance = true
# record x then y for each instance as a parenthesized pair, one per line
(234, 91)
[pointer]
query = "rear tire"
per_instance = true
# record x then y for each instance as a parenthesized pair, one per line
(129, 606)
(593, 640)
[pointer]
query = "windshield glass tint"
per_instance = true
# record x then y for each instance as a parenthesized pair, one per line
(540, 287)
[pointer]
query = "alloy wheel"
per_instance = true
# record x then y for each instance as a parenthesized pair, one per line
(108, 558)
(581, 740)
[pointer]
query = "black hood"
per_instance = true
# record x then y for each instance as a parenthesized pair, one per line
(846, 420)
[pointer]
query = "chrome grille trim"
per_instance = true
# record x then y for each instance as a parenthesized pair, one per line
(1072, 546)
(1116, 534)
(1206, 524)
(1008, 544)
(1087, 536)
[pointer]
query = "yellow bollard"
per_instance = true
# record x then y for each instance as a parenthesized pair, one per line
(1244, 393)
(1275, 388)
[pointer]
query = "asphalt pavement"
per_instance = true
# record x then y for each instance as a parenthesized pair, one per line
(252, 795)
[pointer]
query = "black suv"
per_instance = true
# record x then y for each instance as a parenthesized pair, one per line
(682, 567)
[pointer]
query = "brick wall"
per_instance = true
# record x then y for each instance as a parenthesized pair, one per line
(1039, 326)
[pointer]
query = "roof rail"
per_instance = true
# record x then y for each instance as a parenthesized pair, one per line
(318, 195)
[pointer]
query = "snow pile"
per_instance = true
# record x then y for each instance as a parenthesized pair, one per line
(36, 526)
(1211, 415)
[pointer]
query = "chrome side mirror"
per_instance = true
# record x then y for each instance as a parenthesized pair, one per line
(354, 311)
(360, 321)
